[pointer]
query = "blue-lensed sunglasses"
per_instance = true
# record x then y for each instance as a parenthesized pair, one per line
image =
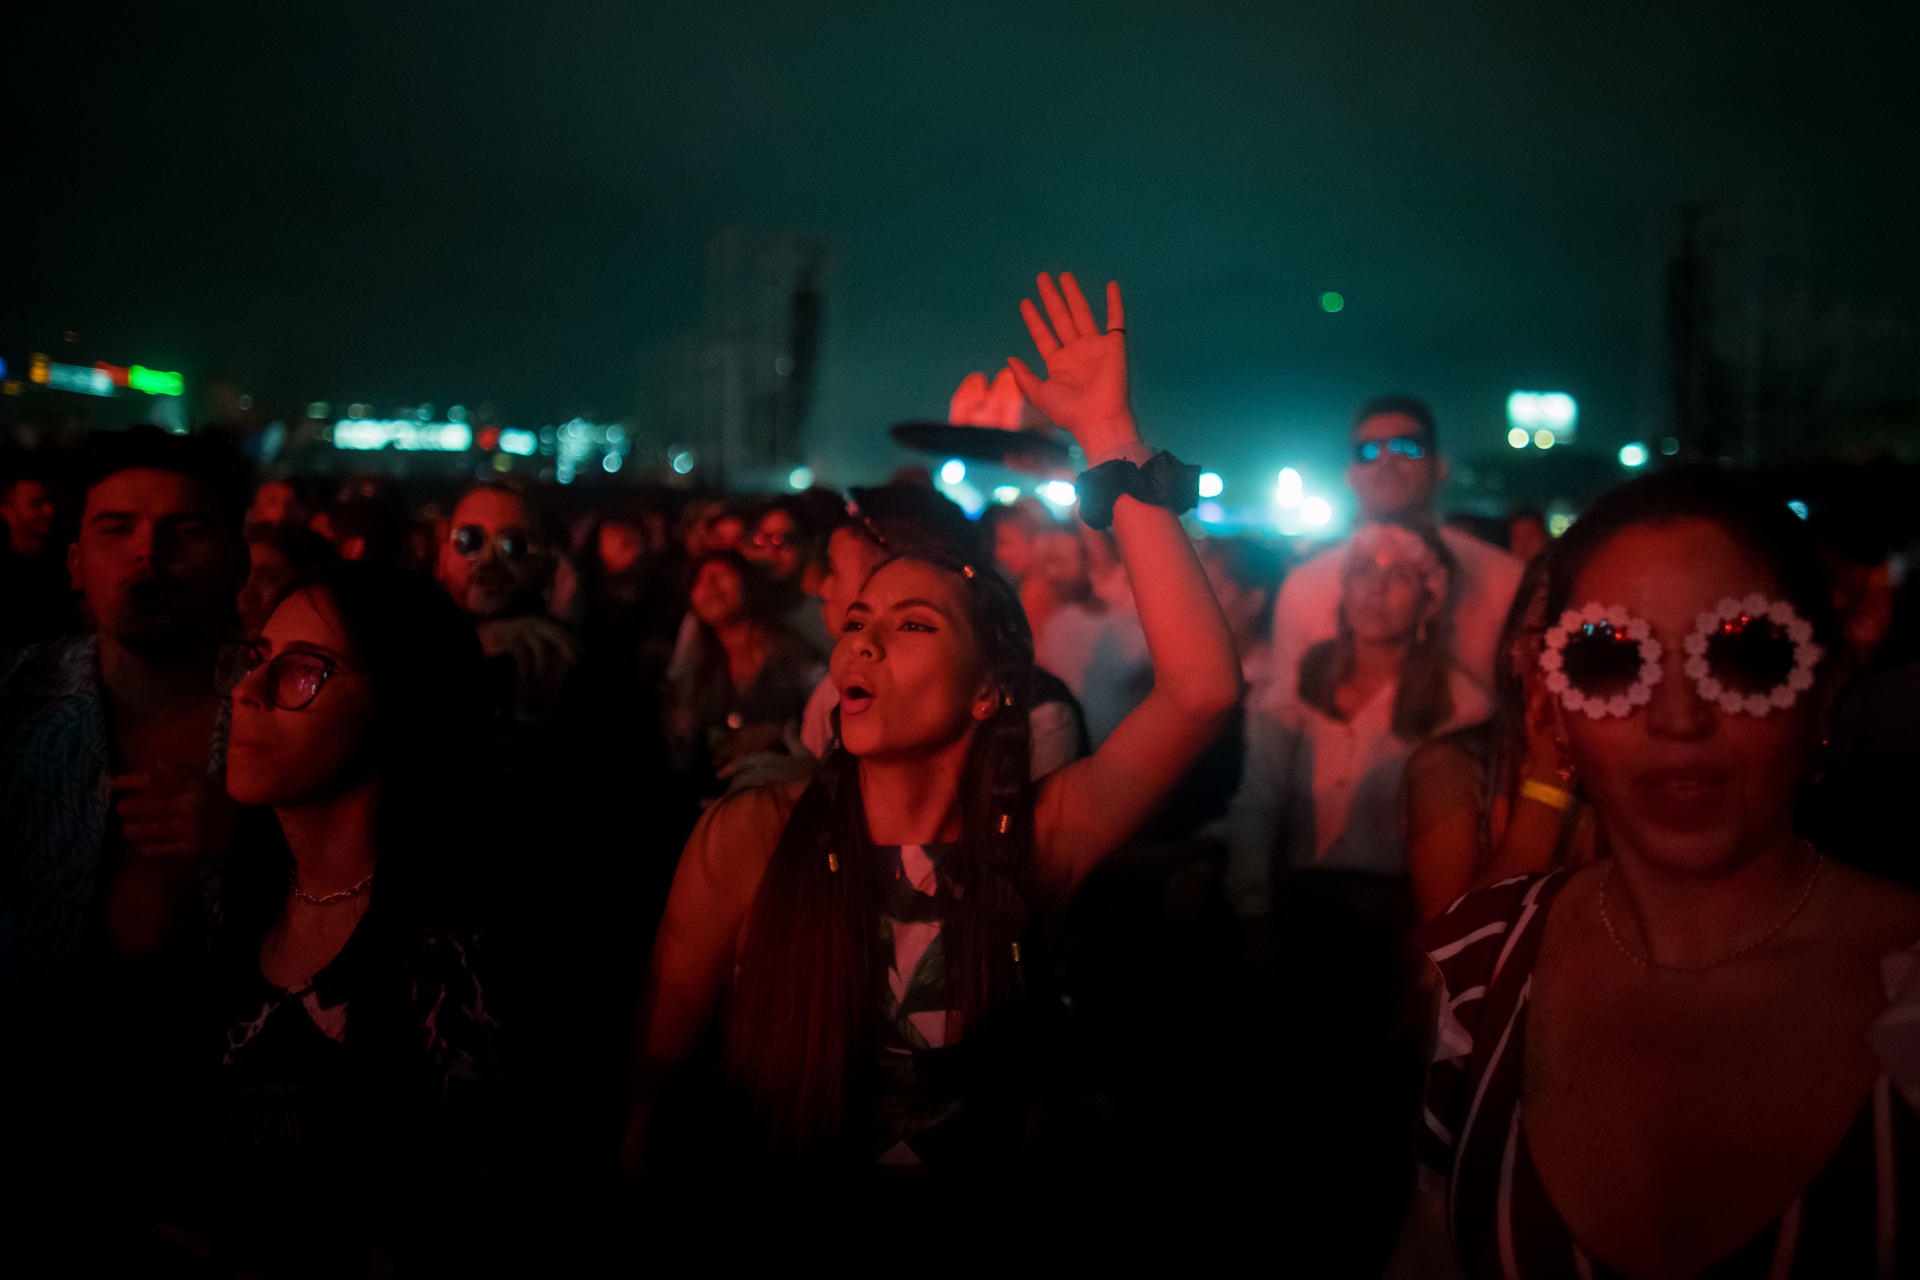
(1406, 446)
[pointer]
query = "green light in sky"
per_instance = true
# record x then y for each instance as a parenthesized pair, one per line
(1331, 302)
(154, 382)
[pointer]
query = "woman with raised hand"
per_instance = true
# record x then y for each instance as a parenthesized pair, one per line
(862, 932)
(1698, 1054)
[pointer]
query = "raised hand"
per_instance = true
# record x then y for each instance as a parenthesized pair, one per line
(1085, 389)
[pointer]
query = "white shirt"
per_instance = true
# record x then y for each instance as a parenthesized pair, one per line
(1320, 792)
(1103, 658)
(1307, 610)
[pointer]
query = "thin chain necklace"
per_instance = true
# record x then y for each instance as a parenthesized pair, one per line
(328, 899)
(1647, 962)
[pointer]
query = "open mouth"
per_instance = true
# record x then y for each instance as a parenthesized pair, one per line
(855, 698)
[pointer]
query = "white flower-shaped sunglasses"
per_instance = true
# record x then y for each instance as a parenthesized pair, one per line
(1751, 656)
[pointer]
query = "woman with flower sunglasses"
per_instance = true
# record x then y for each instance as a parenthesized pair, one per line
(1703, 1051)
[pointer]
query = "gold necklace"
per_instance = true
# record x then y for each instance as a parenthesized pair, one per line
(328, 899)
(1647, 962)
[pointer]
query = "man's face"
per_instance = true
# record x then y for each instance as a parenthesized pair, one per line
(1393, 484)
(274, 503)
(775, 547)
(491, 563)
(29, 516)
(1013, 548)
(620, 547)
(851, 559)
(155, 562)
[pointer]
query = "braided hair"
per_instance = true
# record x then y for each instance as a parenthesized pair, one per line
(802, 1018)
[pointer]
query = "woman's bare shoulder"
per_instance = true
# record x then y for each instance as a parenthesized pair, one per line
(1881, 914)
(737, 834)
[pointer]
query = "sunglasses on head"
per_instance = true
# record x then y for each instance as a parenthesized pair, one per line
(1752, 656)
(470, 540)
(1411, 447)
(294, 679)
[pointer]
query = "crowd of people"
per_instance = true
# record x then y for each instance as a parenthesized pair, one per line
(382, 884)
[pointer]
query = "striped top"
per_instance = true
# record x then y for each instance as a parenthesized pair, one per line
(1847, 1222)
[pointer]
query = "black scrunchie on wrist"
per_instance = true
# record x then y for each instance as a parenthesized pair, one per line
(1161, 481)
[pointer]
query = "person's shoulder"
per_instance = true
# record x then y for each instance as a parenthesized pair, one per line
(1482, 558)
(1483, 919)
(1449, 756)
(1880, 915)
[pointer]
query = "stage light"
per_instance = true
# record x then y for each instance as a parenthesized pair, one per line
(1317, 512)
(1211, 485)
(1331, 302)
(1291, 488)
(800, 478)
(1006, 495)
(953, 471)
(1543, 439)
(1633, 455)
(1518, 437)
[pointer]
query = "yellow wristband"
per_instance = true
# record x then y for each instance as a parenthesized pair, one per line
(1553, 797)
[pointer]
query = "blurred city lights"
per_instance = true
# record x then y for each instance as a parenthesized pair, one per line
(401, 433)
(800, 478)
(1558, 523)
(1058, 492)
(1211, 485)
(319, 409)
(458, 413)
(1519, 437)
(523, 443)
(1210, 513)
(1331, 302)
(612, 462)
(953, 471)
(1633, 455)
(1798, 508)
(1006, 494)
(1291, 489)
(157, 382)
(1555, 411)
(1317, 512)
(1543, 439)
(683, 461)
(1669, 446)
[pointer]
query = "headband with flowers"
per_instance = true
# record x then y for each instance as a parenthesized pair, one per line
(1392, 544)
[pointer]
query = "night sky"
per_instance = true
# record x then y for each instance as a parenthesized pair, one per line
(436, 201)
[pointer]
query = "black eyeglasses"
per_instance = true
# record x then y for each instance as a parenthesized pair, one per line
(294, 678)
(470, 540)
(1410, 447)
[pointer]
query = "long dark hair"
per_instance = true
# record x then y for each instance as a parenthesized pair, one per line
(1423, 693)
(801, 1022)
(423, 663)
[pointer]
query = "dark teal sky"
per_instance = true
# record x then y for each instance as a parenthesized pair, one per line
(431, 201)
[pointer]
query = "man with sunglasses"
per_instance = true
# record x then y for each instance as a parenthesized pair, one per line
(1394, 467)
(498, 566)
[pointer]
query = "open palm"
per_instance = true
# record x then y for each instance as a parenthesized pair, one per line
(1085, 389)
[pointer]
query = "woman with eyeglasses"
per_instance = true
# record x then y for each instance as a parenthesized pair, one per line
(1700, 1054)
(860, 936)
(348, 1017)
